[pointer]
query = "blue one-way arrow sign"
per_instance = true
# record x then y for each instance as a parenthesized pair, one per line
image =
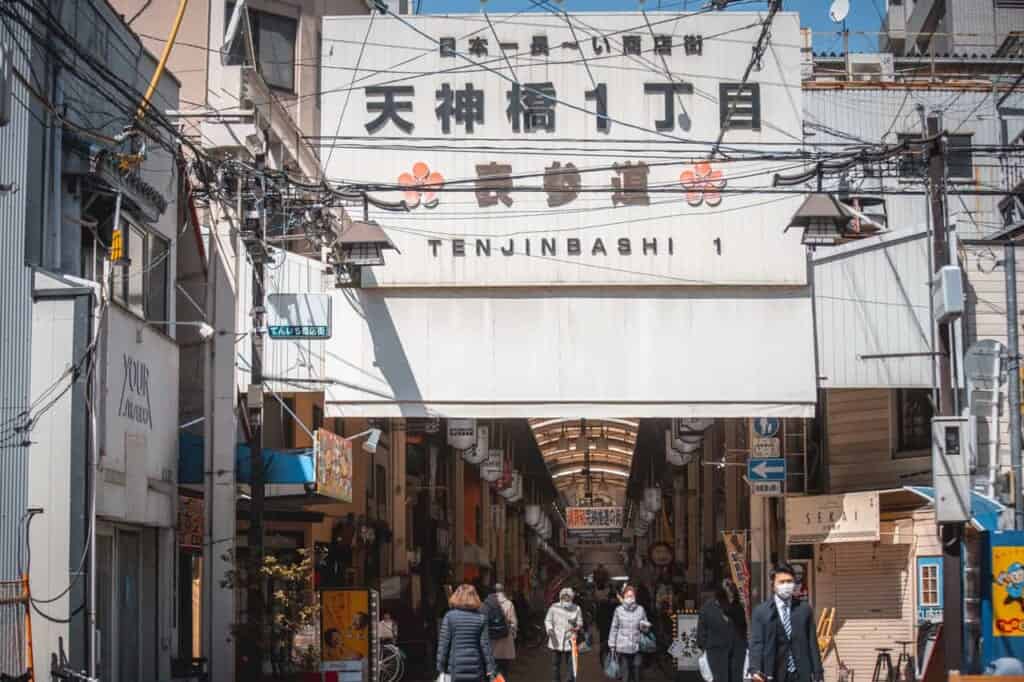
(766, 469)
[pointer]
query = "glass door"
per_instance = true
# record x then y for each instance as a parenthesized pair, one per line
(129, 577)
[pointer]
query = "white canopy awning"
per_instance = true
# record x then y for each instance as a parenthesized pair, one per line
(516, 353)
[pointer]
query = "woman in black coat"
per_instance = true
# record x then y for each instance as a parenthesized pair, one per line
(722, 633)
(464, 646)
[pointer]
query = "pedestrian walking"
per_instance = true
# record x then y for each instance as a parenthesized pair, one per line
(628, 621)
(783, 635)
(563, 621)
(502, 626)
(464, 646)
(722, 633)
(604, 609)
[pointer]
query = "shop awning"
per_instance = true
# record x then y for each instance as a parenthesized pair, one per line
(282, 467)
(985, 512)
(510, 353)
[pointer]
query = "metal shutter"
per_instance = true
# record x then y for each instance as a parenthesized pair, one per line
(872, 592)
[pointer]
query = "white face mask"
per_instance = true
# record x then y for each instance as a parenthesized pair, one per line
(785, 589)
(630, 600)
(567, 603)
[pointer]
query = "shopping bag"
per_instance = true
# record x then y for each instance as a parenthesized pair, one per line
(444, 677)
(612, 669)
(648, 643)
(705, 667)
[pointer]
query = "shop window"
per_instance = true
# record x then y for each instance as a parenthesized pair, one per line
(140, 281)
(929, 589)
(959, 159)
(913, 421)
(273, 43)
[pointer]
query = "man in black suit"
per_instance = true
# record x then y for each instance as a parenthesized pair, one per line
(783, 636)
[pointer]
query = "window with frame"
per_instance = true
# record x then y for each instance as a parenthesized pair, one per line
(959, 158)
(140, 282)
(273, 43)
(914, 413)
(928, 579)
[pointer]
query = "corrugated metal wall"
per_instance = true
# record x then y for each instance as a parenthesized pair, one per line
(15, 307)
(880, 115)
(15, 341)
(871, 298)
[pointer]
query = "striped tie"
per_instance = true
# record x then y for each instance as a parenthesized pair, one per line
(787, 623)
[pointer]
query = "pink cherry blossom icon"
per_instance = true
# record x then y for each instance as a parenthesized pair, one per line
(703, 184)
(421, 185)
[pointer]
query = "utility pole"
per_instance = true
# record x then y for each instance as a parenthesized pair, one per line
(255, 227)
(951, 533)
(1013, 379)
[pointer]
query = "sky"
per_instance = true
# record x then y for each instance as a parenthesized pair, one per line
(865, 15)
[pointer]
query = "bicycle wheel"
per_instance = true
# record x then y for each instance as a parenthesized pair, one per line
(391, 666)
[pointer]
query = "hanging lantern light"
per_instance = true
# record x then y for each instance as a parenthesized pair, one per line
(478, 453)
(461, 433)
(532, 515)
(492, 469)
(652, 499)
(514, 488)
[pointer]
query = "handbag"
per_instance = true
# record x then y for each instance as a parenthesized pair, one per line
(705, 667)
(444, 677)
(612, 669)
(648, 643)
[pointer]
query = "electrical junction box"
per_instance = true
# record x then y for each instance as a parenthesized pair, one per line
(951, 472)
(948, 294)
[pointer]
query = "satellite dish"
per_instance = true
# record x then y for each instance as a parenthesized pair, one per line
(840, 8)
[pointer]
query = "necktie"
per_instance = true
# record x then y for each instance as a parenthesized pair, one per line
(787, 623)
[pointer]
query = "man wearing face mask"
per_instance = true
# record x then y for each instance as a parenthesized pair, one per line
(564, 619)
(783, 637)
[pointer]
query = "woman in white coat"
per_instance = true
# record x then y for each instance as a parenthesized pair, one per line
(564, 620)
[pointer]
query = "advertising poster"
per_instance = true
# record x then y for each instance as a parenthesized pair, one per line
(333, 466)
(1008, 591)
(804, 569)
(739, 566)
(684, 647)
(345, 621)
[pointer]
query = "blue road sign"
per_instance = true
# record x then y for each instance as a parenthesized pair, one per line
(766, 469)
(766, 427)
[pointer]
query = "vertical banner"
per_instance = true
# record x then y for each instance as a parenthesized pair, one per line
(1002, 604)
(736, 549)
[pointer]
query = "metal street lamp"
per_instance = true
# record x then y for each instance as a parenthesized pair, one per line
(823, 218)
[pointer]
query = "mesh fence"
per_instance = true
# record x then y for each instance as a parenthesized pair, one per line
(12, 629)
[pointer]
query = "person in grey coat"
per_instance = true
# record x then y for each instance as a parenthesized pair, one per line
(629, 621)
(563, 621)
(464, 646)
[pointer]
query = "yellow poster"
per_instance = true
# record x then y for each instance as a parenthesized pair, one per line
(345, 625)
(1008, 591)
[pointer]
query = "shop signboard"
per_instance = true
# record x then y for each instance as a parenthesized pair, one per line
(298, 316)
(190, 523)
(333, 466)
(594, 518)
(851, 517)
(1002, 606)
(347, 620)
(736, 551)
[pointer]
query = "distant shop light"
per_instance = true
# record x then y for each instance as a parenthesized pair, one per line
(596, 470)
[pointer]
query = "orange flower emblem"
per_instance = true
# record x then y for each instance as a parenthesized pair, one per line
(420, 186)
(703, 184)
